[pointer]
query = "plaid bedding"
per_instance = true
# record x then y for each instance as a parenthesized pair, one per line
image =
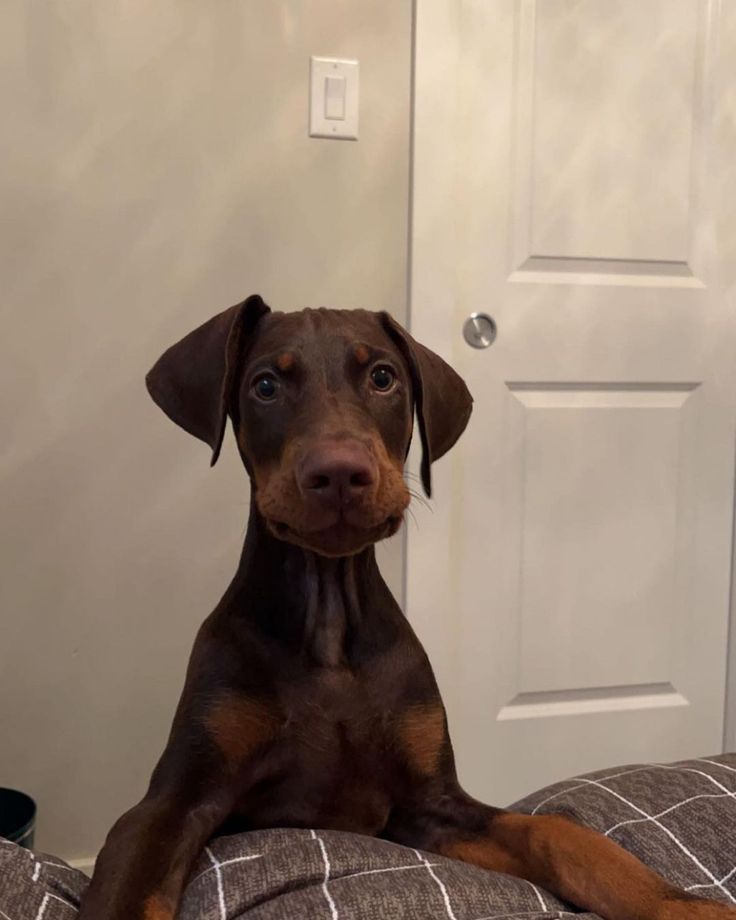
(679, 818)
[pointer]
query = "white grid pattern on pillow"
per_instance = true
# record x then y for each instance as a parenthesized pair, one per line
(678, 818)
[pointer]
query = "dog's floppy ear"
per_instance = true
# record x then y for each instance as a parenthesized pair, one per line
(193, 380)
(443, 402)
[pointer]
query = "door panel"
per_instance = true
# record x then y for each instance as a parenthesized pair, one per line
(609, 82)
(568, 180)
(599, 481)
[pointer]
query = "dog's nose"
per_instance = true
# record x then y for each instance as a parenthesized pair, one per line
(338, 474)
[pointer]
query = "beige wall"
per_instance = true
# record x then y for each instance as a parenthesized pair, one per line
(156, 169)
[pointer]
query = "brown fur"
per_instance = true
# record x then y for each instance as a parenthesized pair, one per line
(309, 701)
(156, 908)
(422, 732)
(285, 361)
(239, 726)
(483, 852)
(558, 854)
(279, 498)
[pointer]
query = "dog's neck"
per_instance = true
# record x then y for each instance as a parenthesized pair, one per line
(332, 609)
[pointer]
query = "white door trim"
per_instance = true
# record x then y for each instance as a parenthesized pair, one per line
(431, 290)
(729, 719)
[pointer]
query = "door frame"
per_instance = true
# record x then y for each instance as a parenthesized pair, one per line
(430, 283)
(729, 719)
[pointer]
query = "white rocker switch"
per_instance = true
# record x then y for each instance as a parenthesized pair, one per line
(333, 110)
(335, 98)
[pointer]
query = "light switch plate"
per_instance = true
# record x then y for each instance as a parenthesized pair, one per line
(320, 92)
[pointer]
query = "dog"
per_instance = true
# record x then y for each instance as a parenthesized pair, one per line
(309, 701)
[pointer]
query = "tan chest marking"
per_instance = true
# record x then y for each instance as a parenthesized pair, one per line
(239, 725)
(422, 735)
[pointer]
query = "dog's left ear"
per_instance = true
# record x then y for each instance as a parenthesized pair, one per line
(193, 380)
(443, 402)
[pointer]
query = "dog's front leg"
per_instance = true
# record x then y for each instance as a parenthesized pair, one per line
(575, 863)
(148, 854)
(216, 743)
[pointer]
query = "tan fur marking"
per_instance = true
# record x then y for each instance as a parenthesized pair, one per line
(573, 862)
(280, 500)
(156, 908)
(239, 725)
(392, 496)
(285, 361)
(483, 853)
(422, 734)
(362, 354)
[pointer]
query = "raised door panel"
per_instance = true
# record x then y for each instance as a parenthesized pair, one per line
(599, 496)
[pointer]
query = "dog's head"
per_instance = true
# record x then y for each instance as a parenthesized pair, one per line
(322, 404)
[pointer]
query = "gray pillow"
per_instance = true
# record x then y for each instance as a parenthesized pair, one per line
(678, 818)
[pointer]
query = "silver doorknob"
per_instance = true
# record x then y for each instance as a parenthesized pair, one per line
(479, 330)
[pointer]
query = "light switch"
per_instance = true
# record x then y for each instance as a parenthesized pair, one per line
(335, 98)
(333, 110)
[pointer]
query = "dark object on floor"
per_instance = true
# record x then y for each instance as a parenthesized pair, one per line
(309, 702)
(17, 817)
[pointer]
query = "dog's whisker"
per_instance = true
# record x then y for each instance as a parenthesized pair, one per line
(417, 496)
(413, 517)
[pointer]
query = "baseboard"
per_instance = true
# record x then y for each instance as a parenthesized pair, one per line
(85, 864)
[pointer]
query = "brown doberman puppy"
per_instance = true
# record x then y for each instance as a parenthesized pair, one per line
(309, 701)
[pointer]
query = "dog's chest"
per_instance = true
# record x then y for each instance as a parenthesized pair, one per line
(331, 764)
(335, 715)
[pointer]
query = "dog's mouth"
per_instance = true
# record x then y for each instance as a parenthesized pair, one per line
(340, 537)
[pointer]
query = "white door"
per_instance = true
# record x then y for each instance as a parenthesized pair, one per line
(573, 178)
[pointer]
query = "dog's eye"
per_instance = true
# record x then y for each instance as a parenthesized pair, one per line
(383, 378)
(265, 387)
